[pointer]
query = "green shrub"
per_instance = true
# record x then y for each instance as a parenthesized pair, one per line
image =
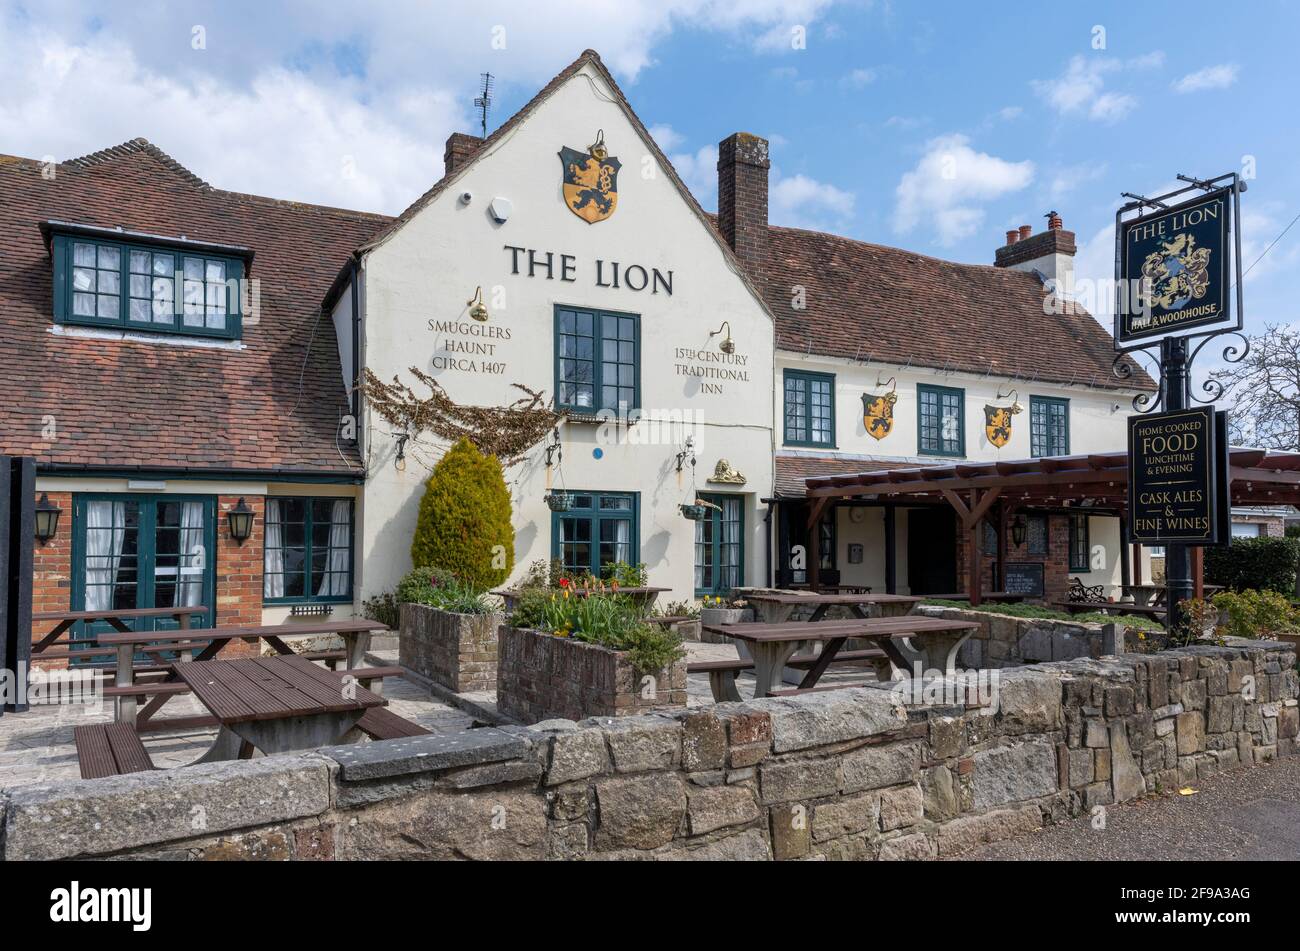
(1255, 614)
(383, 608)
(610, 620)
(1257, 563)
(443, 590)
(625, 575)
(464, 520)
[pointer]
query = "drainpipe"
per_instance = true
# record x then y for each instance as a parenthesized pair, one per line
(767, 545)
(356, 345)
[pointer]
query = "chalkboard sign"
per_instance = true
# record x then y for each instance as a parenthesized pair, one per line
(1025, 577)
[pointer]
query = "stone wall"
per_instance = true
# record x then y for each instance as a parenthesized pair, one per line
(1003, 640)
(458, 651)
(847, 774)
(542, 677)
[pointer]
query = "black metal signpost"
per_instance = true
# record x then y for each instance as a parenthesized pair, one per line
(1173, 284)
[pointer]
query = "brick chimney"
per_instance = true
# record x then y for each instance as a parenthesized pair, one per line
(460, 149)
(742, 198)
(1049, 252)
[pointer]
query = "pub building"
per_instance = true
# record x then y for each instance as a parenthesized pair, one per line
(177, 353)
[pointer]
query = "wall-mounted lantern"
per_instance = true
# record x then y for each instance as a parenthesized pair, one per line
(47, 519)
(241, 521)
(727, 345)
(477, 309)
(1018, 529)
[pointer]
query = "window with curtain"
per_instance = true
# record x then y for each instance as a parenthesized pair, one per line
(112, 555)
(597, 360)
(719, 548)
(1080, 545)
(599, 529)
(941, 420)
(308, 550)
(809, 408)
(1049, 426)
(135, 286)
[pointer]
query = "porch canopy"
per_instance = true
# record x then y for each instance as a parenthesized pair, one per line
(1096, 483)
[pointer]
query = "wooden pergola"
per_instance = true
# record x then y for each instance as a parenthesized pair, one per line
(1096, 483)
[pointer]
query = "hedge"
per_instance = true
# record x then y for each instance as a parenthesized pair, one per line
(1260, 563)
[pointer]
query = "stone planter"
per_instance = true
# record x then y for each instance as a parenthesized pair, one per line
(458, 651)
(722, 616)
(543, 677)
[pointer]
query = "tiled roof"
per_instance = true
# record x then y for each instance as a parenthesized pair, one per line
(273, 404)
(791, 471)
(870, 302)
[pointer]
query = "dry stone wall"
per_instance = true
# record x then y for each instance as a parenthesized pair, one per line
(848, 774)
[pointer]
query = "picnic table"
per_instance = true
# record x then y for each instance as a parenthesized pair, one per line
(1001, 597)
(777, 607)
(115, 618)
(274, 704)
(355, 633)
(1154, 594)
(906, 642)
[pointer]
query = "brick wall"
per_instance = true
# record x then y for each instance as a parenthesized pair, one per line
(742, 198)
(1056, 563)
(52, 564)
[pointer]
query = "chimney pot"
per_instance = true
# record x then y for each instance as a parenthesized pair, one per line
(1026, 231)
(1012, 236)
(1054, 223)
(742, 198)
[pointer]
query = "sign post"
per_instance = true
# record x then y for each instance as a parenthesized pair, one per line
(1173, 284)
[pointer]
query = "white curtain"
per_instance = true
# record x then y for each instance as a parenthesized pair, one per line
(105, 535)
(335, 582)
(623, 541)
(702, 554)
(191, 561)
(273, 572)
(728, 571)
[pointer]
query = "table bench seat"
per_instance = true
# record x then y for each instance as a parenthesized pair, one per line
(110, 749)
(381, 724)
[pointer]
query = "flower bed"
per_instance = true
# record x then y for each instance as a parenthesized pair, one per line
(458, 651)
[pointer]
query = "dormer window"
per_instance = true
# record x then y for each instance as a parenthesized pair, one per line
(114, 279)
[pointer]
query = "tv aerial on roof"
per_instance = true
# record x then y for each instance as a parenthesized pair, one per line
(484, 101)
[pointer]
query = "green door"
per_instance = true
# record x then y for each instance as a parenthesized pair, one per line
(142, 551)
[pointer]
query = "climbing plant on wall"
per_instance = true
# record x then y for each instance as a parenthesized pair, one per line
(507, 432)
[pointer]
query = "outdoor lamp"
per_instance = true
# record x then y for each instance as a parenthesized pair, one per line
(241, 521)
(1018, 530)
(727, 345)
(47, 519)
(477, 309)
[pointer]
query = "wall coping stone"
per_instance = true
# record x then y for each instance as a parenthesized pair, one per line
(424, 754)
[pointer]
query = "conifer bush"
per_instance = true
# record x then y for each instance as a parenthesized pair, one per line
(464, 522)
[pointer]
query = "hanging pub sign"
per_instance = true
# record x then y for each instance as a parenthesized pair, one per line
(878, 412)
(1173, 268)
(997, 423)
(589, 180)
(1173, 482)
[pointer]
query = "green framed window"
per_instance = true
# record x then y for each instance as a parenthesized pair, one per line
(597, 360)
(155, 288)
(600, 528)
(809, 408)
(307, 550)
(1049, 426)
(720, 546)
(1080, 544)
(940, 420)
(141, 551)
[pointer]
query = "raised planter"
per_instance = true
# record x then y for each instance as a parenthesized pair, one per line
(541, 677)
(458, 651)
(722, 616)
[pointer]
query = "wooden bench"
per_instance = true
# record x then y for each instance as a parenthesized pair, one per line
(722, 673)
(110, 749)
(379, 723)
(1112, 607)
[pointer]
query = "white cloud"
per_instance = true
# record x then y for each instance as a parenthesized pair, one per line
(1153, 60)
(1212, 77)
(665, 136)
(286, 104)
(1069, 177)
(859, 78)
(699, 170)
(1008, 113)
(803, 202)
(950, 183)
(1080, 90)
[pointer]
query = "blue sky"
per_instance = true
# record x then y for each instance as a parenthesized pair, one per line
(1052, 106)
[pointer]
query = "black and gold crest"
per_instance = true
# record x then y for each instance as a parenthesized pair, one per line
(997, 423)
(590, 181)
(878, 412)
